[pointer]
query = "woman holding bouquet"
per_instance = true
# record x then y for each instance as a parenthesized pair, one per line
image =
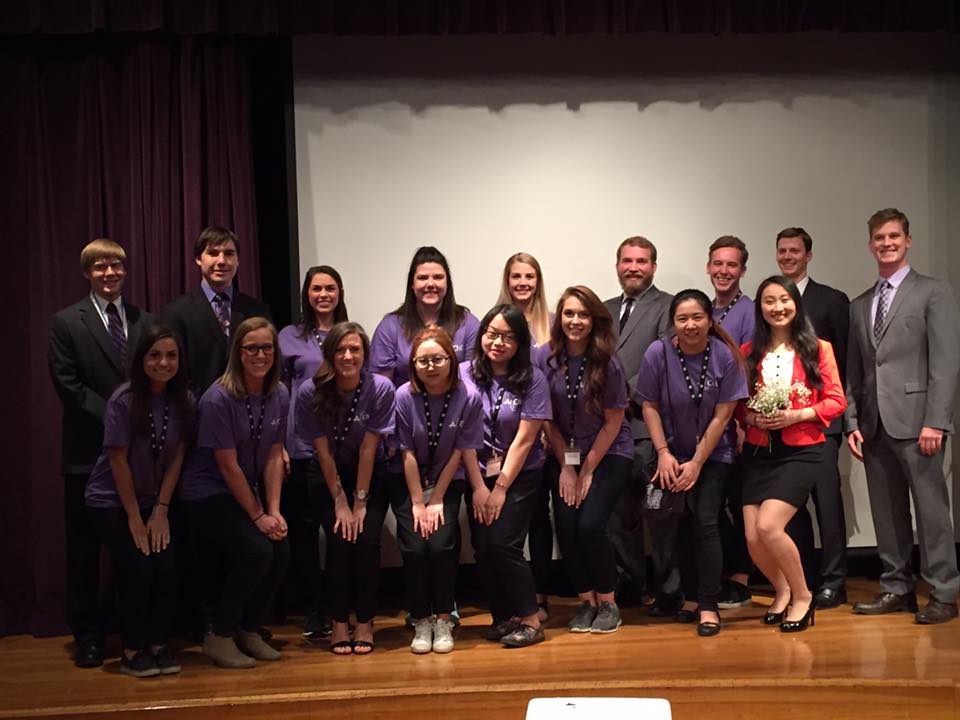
(795, 394)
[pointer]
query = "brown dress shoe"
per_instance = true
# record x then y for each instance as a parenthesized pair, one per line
(887, 603)
(936, 612)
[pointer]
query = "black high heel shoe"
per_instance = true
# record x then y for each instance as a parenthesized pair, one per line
(772, 618)
(801, 624)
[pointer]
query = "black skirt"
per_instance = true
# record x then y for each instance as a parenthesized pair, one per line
(778, 471)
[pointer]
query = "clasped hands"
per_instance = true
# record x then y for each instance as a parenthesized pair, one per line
(676, 476)
(573, 486)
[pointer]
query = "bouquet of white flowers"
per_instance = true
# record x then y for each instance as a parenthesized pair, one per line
(769, 399)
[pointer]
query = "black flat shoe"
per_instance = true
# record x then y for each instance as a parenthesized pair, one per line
(89, 655)
(687, 616)
(801, 624)
(708, 628)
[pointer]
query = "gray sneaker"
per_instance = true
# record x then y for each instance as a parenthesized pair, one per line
(442, 636)
(583, 620)
(422, 636)
(607, 619)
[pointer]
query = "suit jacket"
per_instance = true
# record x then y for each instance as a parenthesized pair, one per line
(86, 368)
(829, 312)
(909, 378)
(649, 320)
(828, 402)
(204, 342)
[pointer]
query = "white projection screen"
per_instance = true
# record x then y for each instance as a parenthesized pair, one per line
(402, 143)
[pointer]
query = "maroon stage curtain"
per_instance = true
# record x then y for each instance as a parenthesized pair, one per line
(144, 141)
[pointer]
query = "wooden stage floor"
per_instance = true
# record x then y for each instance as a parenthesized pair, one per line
(845, 667)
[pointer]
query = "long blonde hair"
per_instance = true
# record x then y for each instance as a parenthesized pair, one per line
(232, 378)
(539, 319)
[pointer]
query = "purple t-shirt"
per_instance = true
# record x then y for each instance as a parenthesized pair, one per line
(147, 471)
(374, 414)
(587, 423)
(739, 321)
(224, 423)
(661, 381)
(390, 349)
(301, 358)
(462, 427)
(534, 404)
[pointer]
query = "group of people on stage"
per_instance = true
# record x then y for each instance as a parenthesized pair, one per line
(710, 420)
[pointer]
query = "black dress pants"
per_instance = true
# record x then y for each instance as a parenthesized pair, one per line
(85, 614)
(508, 578)
(304, 585)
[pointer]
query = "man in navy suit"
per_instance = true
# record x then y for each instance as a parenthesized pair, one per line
(88, 350)
(829, 312)
(205, 317)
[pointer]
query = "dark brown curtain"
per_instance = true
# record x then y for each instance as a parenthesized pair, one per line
(144, 141)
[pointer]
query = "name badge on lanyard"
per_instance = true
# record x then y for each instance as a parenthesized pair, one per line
(494, 464)
(572, 454)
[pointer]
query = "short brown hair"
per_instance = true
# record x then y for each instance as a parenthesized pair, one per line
(641, 242)
(442, 338)
(730, 241)
(100, 249)
(881, 217)
(215, 236)
(796, 232)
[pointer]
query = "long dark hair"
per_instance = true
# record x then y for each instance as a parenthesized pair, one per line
(326, 398)
(802, 336)
(519, 369)
(600, 346)
(715, 329)
(451, 314)
(307, 317)
(176, 389)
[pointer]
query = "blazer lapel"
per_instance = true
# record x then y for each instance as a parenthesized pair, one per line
(205, 311)
(640, 307)
(91, 319)
(898, 300)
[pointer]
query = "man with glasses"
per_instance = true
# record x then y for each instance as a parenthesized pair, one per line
(88, 361)
(203, 317)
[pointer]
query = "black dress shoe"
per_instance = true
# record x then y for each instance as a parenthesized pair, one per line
(665, 606)
(936, 612)
(830, 598)
(89, 655)
(887, 603)
(708, 628)
(687, 616)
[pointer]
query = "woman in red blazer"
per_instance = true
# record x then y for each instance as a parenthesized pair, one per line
(795, 394)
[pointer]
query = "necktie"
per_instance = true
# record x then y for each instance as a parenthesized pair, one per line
(627, 309)
(221, 307)
(115, 324)
(883, 294)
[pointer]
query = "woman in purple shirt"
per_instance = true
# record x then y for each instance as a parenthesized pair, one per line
(689, 386)
(146, 425)
(321, 306)
(507, 479)
(438, 418)
(231, 492)
(343, 412)
(592, 450)
(429, 301)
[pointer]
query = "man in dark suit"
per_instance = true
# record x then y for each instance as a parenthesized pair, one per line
(640, 315)
(829, 312)
(204, 317)
(902, 366)
(89, 344)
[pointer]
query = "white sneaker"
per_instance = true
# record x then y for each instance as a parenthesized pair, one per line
(442, 636)
(422, 636)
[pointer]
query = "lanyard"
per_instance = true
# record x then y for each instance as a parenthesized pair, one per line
(256, 432)
(318, 337)
(433, 436)
(340, 434)
(728, 308)
(573, 391)
(156, 444)
(696, 393)
(494, 415)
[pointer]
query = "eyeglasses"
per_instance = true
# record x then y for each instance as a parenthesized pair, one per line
(424, 362)
(507, 337)
(253, 349)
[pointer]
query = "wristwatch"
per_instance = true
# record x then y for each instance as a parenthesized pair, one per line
(361, 494)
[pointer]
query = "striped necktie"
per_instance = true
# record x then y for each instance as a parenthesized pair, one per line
(115, 324)
(883, 295)
(221, 307)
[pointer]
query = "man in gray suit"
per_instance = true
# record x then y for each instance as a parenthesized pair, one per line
(640, 315)
(903, 359)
